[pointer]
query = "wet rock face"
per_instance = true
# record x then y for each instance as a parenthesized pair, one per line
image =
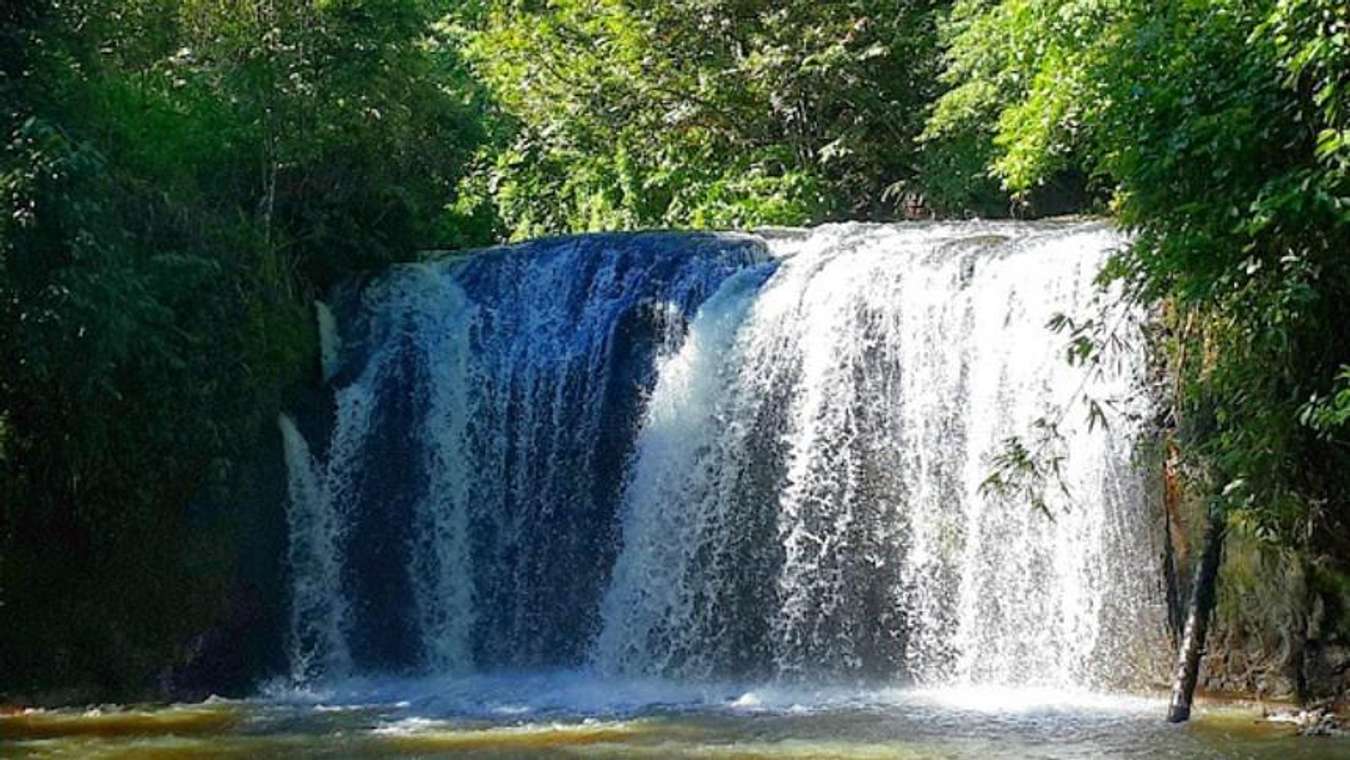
(218, 660)
(1280, 635)
(1243, 663)
(1324, 665)
(1326, 656)
(1322, 723)
(1266, 665)
(1317, 720)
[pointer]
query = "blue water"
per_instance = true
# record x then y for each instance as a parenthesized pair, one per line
(575, 714)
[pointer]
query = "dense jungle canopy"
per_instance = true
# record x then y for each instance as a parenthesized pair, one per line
(179, 179)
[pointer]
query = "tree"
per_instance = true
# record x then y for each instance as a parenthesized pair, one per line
(179, 178)
(702, 113)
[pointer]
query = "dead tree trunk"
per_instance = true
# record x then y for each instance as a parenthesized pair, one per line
(1197, 622)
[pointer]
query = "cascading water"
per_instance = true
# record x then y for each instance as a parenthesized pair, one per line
(713, 456)
(462, 515)
(806, 496)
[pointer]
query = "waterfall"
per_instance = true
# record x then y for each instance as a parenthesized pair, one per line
(483, 413)
(706, 456)
(318, 607)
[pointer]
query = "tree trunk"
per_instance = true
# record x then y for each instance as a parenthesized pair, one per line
(1197, 622)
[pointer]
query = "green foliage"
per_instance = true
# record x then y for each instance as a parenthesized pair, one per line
(1219, 129)
(704, 113)
(1020, 474)
(1329, 414)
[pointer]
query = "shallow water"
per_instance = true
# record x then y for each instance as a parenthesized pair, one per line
(574, 715)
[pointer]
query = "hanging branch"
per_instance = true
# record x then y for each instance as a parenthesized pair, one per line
(1020, 472)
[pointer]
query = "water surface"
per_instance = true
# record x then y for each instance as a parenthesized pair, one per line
(554, 715)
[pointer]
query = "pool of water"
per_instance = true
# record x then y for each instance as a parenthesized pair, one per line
(573, 715)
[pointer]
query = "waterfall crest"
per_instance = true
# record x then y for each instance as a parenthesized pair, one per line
(725, 456)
